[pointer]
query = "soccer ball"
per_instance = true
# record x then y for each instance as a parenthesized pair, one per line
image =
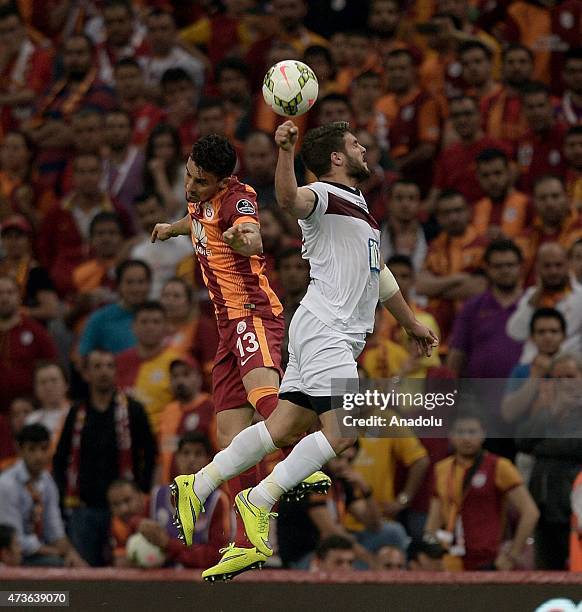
(143, 553)
(290, 88)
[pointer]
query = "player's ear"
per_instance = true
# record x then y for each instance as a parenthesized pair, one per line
(336, 158)
(222, 183)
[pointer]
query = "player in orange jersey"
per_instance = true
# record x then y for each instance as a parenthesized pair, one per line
(223, 222)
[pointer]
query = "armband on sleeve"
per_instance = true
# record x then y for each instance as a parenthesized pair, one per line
(388, 284)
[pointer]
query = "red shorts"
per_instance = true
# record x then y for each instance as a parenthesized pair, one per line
(244, 345)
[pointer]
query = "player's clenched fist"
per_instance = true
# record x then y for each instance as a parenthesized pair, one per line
(162, 231)
(286, 135)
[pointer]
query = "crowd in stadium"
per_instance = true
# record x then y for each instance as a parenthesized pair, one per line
(471, 114)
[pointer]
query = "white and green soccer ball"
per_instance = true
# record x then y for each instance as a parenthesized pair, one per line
(290, 88)
(143, 553)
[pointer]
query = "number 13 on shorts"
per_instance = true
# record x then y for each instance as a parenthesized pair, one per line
(246, 343)
(374, 254)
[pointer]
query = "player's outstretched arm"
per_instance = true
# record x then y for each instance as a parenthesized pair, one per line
(244, 238)
(165, 231)
(297, 201)
(392, 299)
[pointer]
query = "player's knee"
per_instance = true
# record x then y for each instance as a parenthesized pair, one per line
(339, 445)
(224, 438)
(281, 434)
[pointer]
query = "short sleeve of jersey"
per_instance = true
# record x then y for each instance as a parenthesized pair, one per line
(239, 207)
(506, 475)
(320, 190)
(409, 450)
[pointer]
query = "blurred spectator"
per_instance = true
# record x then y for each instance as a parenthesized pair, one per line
(575, 257)
(321, 61)
(259, 162)
(180, 101)
(275, 240)
(485, 350)
(391, 558)
(110, 327)
(416, 366)
(452, 270)
(95, 279)
(570, 109)
(425, 555)
(190, 410)
(455, 166)
(334, 553)
(64, 234)
(23, 342)
(477, 61)
(39, 299)
(402, 234)
(123, 37)
(293, 273)
(232, 81)
(503, 115)
(376, 188)
(50, 391)
(124, 161)
(29, 502)
(414, 119)
(552, 436)
(130, 88)
(143, 371)
(575, 558)
(503, 211)
(19, 188)
(554, 290)
(26, 68)
(361, 58)
(539, 150)
(554, 222)
(319, 517)
(164, 170)
(471, 490)
(165, 51)
(10, 549)
(547, 333)
(163, 259)
(365, 91)
(333, 107)
(79, 88)
(128, 507)
(384, 23)
(573, 166)
(214, 529)
(10, 426)
(190, 331)
(106, 436)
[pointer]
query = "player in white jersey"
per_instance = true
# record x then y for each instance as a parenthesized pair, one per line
(326, 335)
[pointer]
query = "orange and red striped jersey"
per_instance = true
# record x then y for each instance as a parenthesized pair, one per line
(237, 285)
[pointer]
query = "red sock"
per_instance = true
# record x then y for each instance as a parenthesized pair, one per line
(267, 404)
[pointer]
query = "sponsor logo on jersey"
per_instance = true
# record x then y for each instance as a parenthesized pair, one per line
(245, 207)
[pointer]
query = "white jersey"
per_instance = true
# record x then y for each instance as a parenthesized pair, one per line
(341, 240)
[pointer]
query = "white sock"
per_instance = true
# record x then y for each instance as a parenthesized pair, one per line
(246, 449)
(308, 456)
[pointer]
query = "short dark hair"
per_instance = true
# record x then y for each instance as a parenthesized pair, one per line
(185, 284)
(33, 434)
(404, 181)
(125, 265)
(231, 63)
(105, 217)
(10, 10)
(122, 482)
(210, 102)
(449, 194)
(319, 143)
(174, 75)
(7, 533)
(517, 47)
(573, 53)
(502, 245)
(333, 542)
(462, 97)
(368, 74)
(149, 306)
(544, 178)
(214, 154)
(431, 548)
(469, 45)
(575, 130)
(575, 244)
(127, 62)
(320, 51)
(335, 97)
(400, 260)
(401, 53)
(547, 313)
(534, 87)
(41, 364)
(148, 195)
(469, 409)
(126, 4)
(196, 437)
(488, 155)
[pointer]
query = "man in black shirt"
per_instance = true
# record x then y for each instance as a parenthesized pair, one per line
(106, 436)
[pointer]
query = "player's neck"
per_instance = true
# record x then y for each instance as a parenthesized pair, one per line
(340, 178)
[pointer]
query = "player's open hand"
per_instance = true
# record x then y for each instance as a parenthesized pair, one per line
(162, 231)
(423, 337)
(286, 135)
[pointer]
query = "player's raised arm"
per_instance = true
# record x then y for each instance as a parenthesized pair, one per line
(165, 231)
(392, 299)
(297, 201)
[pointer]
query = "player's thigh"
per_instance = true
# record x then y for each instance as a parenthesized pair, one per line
(231, 422)
(289, 422)
(261, 377)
